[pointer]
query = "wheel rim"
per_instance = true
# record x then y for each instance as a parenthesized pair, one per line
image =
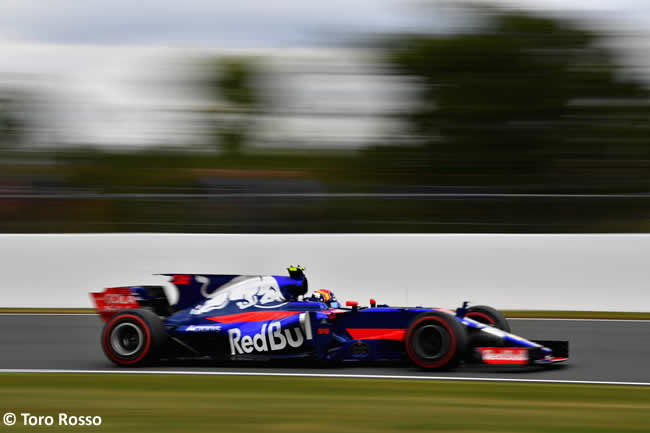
(431, 342)
(126, 339)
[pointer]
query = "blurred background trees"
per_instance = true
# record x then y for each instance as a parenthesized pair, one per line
(525, 103)
(521, 123)
(234, 84)
(12, 124)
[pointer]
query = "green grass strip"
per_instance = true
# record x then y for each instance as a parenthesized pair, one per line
(149, 403)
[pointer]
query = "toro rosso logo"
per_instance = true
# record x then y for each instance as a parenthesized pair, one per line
(272, 337)
(245, 292)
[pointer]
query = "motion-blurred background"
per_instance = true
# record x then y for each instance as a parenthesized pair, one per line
(338, 116)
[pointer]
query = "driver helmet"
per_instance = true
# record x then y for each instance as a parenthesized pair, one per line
(326, 297)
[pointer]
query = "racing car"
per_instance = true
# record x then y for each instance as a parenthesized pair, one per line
(256, 317)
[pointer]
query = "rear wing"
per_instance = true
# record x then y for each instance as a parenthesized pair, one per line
(112, 300)
(115, 299)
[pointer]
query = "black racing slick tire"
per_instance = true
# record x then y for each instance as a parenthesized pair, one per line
(436, 340)
(489, 316)
(134, 337)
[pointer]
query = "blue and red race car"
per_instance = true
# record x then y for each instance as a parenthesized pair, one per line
(240, 317)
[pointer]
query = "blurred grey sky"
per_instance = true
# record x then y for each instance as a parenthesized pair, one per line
(252, 23)
(245, 23)
(110, 69)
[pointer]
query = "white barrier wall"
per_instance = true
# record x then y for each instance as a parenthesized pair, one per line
(568, 272)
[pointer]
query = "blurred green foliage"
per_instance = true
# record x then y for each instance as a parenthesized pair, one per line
(12, 127)
(525, 103)
(234, 84)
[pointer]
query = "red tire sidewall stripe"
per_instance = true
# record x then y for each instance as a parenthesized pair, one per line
(107, 333)
(411, 352)
(490, 320)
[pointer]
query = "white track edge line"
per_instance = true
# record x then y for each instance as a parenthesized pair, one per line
(578, 320)
(325, 375)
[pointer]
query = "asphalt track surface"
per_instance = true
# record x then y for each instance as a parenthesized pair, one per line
(600, 350)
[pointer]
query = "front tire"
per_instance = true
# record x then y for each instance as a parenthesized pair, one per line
(133, 337)
(436, 341)
(489, 316)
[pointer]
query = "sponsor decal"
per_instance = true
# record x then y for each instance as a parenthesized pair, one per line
(201, 328)
(181, 280)
(504, 355)
(272, 337)
(244, 292)
(114, 299)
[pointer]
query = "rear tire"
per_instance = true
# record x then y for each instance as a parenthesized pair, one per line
(436, 340)
(133, 338)
(489, 316)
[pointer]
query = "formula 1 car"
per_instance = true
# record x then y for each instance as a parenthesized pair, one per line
(238, 317)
